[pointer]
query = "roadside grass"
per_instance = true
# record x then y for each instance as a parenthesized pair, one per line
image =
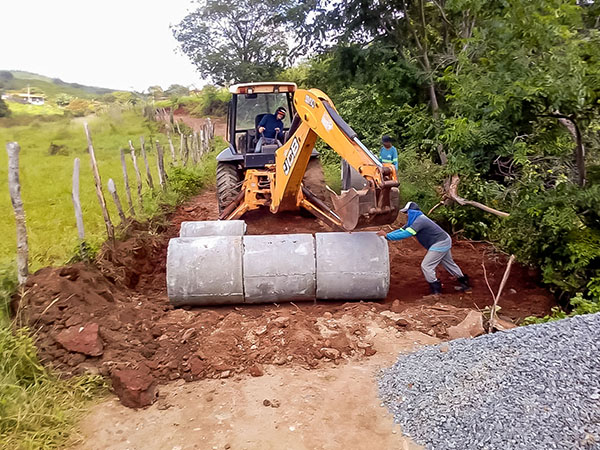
(38, 410)
(46, 164)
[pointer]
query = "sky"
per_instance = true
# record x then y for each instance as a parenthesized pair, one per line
(117, 44)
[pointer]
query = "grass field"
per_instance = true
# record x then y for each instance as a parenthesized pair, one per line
(47, 109)
(48, 150)
(38, 410)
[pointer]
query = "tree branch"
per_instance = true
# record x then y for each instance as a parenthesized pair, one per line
(451, 191)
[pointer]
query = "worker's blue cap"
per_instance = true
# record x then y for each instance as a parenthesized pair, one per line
(386, 138)
(410, 205)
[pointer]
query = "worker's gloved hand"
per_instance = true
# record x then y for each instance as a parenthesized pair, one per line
(261, 129)
(382, 233)
(277, 130)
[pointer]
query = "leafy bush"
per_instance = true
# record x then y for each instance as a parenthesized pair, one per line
(79, 107)
(559, 230)
(212, 101)
(4, 111)
(578, 304)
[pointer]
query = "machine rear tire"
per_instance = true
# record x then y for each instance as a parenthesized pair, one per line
(228, 184)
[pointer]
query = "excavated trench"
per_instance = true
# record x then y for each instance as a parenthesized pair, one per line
(114, 314)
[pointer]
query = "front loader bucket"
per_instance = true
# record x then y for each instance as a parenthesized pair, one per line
(366, 207)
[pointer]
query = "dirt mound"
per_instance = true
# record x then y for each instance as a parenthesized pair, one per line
(120, 305)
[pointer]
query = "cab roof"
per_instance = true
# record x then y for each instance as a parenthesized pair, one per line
(264, 87)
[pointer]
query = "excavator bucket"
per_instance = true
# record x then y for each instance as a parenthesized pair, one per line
(366, 207)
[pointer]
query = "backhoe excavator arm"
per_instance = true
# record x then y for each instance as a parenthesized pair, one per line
(318, 118)
(281, 187)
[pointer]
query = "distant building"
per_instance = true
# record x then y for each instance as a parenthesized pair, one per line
(33, 99)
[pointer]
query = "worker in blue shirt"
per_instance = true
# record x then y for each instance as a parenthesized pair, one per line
(388, 153)
(270, 128)
(437, 242)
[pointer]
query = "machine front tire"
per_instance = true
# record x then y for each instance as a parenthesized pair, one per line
(228, 184)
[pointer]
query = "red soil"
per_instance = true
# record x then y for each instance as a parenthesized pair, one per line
(124, 293)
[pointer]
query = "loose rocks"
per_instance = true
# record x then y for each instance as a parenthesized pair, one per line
(81, 339)
(535, 387)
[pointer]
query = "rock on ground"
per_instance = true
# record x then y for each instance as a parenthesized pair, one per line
(471, 326)
(535, 387)
(135, 388)
(82, 339)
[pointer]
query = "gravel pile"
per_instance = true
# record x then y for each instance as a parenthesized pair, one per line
(535, 387)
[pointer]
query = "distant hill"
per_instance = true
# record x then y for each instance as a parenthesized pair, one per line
(51, 87)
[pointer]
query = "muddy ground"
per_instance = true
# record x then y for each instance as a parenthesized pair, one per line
(115, 314)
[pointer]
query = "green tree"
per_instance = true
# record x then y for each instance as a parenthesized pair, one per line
(79, 107)
(235, 41)
(156, 92)
(4, 111)
(63, 99)
(177, 90)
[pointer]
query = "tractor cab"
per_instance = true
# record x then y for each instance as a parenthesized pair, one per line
(250, 102)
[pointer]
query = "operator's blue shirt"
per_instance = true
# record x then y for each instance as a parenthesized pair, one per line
(270, 122)
(389, 155)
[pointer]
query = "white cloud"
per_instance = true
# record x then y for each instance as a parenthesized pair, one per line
(124, 44)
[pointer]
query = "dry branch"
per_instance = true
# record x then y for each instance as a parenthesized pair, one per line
(496, 296)
(451, 191)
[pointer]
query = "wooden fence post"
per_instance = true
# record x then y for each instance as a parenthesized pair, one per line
(137, 174)
(148, 175)
(162, 175)
(76, 201)
(205, 139)
(172, 148)
(186, 150)
(181, 147)
(110, 231)
(113, 191)
(126, 181)
(195, 148)
(14, 188)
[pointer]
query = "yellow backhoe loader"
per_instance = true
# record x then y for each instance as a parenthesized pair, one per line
(272, 177)
(213, 263)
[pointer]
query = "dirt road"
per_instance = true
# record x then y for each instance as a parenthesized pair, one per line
(325, 409)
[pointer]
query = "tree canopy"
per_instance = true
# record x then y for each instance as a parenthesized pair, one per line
(235, 41)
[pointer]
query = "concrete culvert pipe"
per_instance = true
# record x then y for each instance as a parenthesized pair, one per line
(205, 270)
(213, 228)
(279, 268)
(352, 266)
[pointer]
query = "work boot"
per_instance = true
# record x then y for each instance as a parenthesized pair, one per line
(464, 284)
(435, 288)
